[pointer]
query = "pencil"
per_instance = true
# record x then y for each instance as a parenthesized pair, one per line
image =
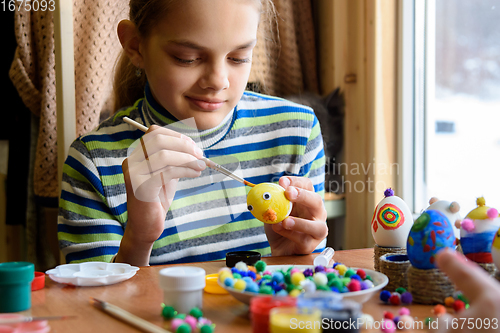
(127, 317)
(210, 164)
(22, 319)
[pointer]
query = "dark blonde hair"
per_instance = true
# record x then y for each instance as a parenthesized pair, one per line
(128, 86)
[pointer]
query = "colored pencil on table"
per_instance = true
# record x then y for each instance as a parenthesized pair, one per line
(126, 316)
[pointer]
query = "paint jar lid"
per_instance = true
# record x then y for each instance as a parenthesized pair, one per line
(182, 278)
(263, 304)
(248, 257)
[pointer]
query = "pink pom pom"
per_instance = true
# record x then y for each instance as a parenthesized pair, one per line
(191, 321)
(492, 213)
(404, 311)
(176, 322)
(294, 270)
(468, 225)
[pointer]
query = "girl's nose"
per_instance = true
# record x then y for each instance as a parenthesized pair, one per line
(215, 77)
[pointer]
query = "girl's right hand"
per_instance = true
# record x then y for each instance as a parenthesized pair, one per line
(151, 174)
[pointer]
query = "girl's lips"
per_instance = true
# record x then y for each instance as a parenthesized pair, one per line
(206, 104)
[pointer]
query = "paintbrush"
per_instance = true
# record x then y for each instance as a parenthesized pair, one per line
(23, 319)
(210, 164)
(127, 317)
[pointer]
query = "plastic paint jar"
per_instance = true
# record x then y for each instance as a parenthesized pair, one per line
(260, 307)
(183, 287)
(15, 285)
(293, 319)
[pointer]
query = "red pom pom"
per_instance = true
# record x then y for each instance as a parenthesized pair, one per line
(361, 273)
(388, 315)
(395, 299)
(354, 285)
(458, 305)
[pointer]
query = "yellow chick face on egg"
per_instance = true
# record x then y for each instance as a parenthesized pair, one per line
(495, 249)
(268, 204)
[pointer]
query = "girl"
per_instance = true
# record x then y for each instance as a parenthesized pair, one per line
(153, 204)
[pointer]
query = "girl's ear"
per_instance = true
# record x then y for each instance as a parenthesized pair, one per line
(130, 40)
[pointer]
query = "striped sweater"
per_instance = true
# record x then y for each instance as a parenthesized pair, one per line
(262, 139)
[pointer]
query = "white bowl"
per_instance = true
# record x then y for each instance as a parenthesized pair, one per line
(90, 274)
(379, 281)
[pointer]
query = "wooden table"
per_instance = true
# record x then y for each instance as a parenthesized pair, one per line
(142, 296)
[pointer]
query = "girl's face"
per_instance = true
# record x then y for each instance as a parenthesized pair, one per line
(198, 58)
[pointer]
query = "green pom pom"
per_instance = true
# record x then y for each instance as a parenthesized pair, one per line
(401, 290)
(180, 315)
(331, 276)
(196, 312)
(337, 283)
(260, 266)
(183, 328)
(463, 298)
(350, 272)
(267, 277)
(324, 288)
(206, 329)
(368, 277)
(236, 276)
(168, 312)
(288, 278)
(266, 290)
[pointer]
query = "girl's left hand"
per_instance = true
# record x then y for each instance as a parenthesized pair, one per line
(306, 227)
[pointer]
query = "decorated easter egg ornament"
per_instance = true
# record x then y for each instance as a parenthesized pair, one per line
(431, 232)
(391, 222)
(478, 231)
(268, 204)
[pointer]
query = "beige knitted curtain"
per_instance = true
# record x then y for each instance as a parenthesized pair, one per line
(284, 69)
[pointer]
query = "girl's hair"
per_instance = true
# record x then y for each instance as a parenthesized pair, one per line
(128, 85)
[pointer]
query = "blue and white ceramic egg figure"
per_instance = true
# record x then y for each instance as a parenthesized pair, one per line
(431, 232)
(449, 209)
(477, 231)
(392, 221)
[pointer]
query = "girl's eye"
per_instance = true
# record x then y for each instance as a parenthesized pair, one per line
(185, 61)
(266, 196)
(250, 207)
(241, 61)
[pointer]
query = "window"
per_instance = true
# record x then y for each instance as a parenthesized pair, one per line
(451, 92)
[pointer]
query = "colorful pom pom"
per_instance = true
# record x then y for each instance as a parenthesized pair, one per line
(406, 298)
(361, 273)
(448, 301)
(404, 311)
(354, 285)
(492, 213)
(385, 295)
(389, 192)
(388, 315)
(260, 266)
(458, 305)
(468, 225)
(395, 299)
(439, 310)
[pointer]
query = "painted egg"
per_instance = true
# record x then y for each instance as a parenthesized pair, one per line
(495, 249)
(431, 232)
(268, 204)
(391, 221)
(477, 232)
(449, 209)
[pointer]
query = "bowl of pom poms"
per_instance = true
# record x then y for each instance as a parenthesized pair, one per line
(244, 282)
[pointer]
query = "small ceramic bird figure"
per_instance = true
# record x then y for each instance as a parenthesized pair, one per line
(268, 204)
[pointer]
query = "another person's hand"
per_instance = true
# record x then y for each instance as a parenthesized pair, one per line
(482, 291)
(305, 228)
(151, 174)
